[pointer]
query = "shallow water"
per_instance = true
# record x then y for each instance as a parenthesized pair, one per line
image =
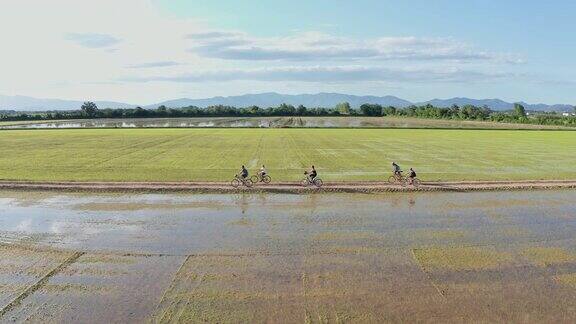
(187, 224)
(241, 122)
(138, 123)
(262, 122)
(399, 257)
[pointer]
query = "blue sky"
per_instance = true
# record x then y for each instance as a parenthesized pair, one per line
(150, 50)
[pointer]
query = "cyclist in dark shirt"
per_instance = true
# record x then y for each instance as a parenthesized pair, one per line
(312, 173)
(412, 175)
(397, 170)
(244, 172)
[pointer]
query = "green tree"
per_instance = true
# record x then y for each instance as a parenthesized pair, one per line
(519, 110)
(343, 108)
(254, 110)
(301, 110)
(162, 111)
(389, 111)
(89, 109)
(371, 110)
(285, 110)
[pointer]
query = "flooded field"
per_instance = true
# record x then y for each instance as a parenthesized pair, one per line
(267, 122)
(449, 257)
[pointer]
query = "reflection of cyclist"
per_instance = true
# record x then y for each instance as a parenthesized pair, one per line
(397, 170)
(244, 172)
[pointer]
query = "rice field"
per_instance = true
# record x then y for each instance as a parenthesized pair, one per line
(338, 154)
(176, 258)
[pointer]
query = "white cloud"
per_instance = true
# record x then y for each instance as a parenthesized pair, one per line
(328, 74)
(314, 46)
(147, 65)
(92, 40)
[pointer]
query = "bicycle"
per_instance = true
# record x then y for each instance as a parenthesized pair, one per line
(261, 178)
(238, 180)
(414, 182)
(397, 178)
(309, 182)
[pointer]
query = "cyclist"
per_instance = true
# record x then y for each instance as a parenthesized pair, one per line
(262, 171)
(312, 174)
(244, 172)
(397, 170)
(412, 176)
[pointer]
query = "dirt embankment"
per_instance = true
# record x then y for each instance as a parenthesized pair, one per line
(284, 187)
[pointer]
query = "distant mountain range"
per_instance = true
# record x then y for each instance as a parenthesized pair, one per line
(497, 104)
(275, 99)
(21, 103)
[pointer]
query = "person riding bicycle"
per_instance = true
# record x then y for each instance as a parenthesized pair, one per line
(397, 170)
(244, 172)
(312, 174)
(412, 175)
(262, 171)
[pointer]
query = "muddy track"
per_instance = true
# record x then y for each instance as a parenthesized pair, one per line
(284, 187)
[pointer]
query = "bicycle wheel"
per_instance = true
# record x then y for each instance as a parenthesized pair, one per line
(404, 182)
(416, 182)
(248, 183)
(235, 183)
(305, 182)
(318, 182)
(266, 179)
(255, 179)
(392, 179)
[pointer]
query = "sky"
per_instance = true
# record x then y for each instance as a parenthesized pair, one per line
(147, 51)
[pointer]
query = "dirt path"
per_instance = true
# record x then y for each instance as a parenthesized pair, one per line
(284, 187)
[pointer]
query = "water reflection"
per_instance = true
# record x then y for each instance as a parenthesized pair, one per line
(184, 224)
(152, 123)
(241, 122)
(262, 122)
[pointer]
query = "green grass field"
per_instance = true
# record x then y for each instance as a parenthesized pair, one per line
(339, 154)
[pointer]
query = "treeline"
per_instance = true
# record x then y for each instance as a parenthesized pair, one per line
(470, 112)
(466, 112)
(89, 110)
